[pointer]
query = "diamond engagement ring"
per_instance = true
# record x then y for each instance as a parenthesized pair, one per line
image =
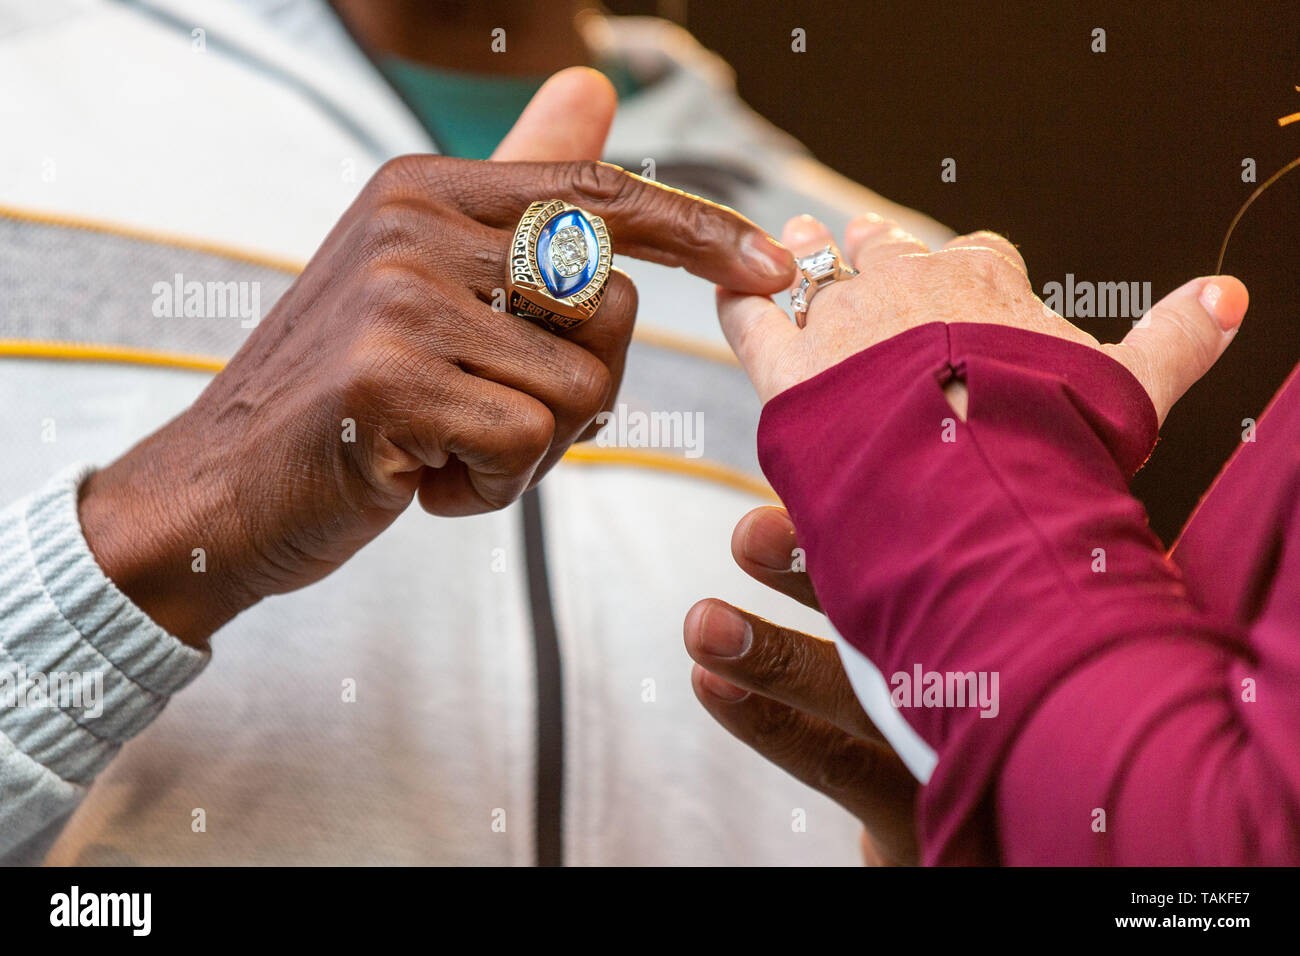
(559, 265)
(817, 271)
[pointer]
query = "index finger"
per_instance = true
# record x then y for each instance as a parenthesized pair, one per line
(646, 219)
(765, 547)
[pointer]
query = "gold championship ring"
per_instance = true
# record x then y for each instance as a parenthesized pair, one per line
(559, 265)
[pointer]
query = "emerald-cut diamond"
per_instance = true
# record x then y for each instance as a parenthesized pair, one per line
(817, 270)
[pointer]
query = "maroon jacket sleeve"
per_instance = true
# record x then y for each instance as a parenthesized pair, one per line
(1005, 553)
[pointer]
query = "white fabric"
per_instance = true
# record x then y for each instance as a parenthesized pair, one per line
(82, 669)
(141, 129)
(869, 684)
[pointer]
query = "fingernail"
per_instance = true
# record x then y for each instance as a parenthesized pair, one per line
(774, 552)
(861, 227)
(724, 633)
(1225, 298)
(804, 229)
(767, 257)
(724, 689)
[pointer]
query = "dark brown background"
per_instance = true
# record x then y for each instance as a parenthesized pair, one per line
(1115, 166)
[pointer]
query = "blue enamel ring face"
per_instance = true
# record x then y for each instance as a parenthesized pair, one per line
(567, 253)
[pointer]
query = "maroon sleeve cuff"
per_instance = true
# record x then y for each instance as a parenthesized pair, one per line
(855, 392)
(956, 547)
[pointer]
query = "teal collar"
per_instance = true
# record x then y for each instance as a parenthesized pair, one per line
(468, 114)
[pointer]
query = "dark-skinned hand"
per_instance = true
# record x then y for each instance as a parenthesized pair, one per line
(391, 326)
(785, 694)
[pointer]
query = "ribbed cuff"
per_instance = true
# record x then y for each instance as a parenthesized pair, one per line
(61, 615)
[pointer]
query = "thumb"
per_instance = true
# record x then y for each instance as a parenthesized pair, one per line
(1181, 336)
(567, 119)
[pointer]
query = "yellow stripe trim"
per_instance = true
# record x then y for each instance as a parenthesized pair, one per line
(659, 338)
(699, 348)
(660, 461)
(97, 352)
(158, 237)
(577, 455)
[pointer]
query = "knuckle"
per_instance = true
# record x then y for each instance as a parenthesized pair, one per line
(700, 225)
(870, 225)
(982, 270)
(500, 489)
(533, 433)
(616, 316)
(373, 365)
(776, 730)
(621, 299)
(527, 457)
(412, 175)
(392, 230)
(588, 385)
(385, 281)
(1203, 348)
(783, 660)
(386, 364)
(360, 387)
(1000, 269)
(596, 182)
(392, 294)
(844, 764)
(394, 177)
(497, 497)
(986, 235)
(985, 263)
(905, 270)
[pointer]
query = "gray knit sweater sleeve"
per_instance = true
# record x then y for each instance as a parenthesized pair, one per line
(82, 669)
